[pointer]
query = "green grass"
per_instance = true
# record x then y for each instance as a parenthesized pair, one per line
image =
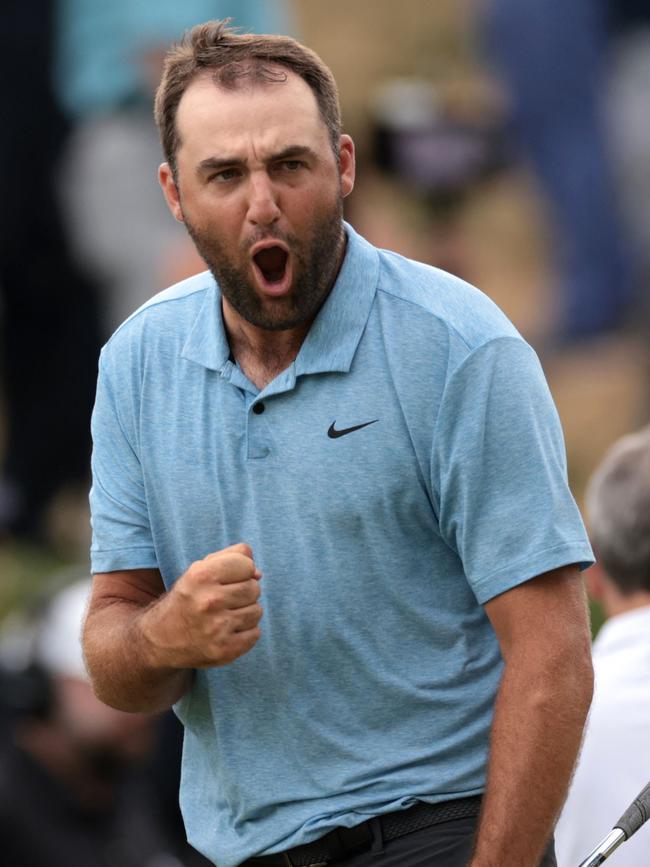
(25, 571)
(597, 617)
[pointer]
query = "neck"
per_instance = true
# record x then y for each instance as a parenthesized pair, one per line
(615, 603)
(261, 354)
(248, 339)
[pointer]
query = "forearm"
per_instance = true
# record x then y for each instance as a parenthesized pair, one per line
(125, 668)
(539, 718)
(142, 644)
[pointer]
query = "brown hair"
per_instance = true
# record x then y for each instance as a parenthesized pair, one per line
(216, 48)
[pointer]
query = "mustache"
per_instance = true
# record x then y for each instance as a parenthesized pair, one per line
(266, 235)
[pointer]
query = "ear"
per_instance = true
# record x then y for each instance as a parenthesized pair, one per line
(595, 581)
(347, 167)
(170, 191)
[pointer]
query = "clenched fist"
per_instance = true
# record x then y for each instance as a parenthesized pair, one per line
(210, 616)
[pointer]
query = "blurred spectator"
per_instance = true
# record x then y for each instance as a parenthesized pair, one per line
(436, 153)
(108, 65)
(73, 787)
(48, 305)
(551, 58)
(628, 111)
(106, 58)
(615, 761)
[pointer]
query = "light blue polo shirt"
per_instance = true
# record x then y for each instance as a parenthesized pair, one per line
(405, 469)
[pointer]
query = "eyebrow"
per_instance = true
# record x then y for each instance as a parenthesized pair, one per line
(291, 152)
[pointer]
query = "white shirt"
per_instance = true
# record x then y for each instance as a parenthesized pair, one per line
(615, 762)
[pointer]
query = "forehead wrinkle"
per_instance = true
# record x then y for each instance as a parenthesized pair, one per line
(247, 87)
(242, 128)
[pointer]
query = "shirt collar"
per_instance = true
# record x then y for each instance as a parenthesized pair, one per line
(207, 343)
(334, 335)
(623, 630)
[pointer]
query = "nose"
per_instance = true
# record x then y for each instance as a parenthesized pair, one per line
(263, 206)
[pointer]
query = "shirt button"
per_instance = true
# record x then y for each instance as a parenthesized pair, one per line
(259, 408)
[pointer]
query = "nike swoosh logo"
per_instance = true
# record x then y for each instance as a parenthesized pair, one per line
(333, 434)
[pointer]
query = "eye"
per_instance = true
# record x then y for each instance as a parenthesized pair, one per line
(225, 175)
(291, 166)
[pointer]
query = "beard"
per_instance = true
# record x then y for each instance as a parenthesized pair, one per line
(315, 262)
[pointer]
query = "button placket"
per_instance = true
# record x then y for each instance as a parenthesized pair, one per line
(258, 438)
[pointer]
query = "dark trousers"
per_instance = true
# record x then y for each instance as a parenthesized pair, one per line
(448, 844)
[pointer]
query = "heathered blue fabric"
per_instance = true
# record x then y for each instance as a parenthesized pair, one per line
(374, 679)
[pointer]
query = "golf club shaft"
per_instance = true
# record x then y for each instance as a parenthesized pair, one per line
(605, 848)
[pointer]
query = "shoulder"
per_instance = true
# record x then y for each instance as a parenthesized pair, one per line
(436, 321)
(168, 313)
(162, 325)
(420, 293)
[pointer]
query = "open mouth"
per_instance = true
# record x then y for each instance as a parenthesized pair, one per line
(272, 263)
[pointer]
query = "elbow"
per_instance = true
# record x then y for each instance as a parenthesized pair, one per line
(137, 693)
(111, 698)
(573, 676)
(139, 701)
(104, 688)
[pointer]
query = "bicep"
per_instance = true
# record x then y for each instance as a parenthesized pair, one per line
(499, 471)
(546, 615)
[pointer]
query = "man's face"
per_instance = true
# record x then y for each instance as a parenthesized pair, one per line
(260, 191)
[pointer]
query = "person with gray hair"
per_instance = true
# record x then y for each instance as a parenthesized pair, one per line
(615, 760)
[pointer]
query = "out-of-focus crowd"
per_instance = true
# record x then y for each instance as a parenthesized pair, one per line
(86, 238)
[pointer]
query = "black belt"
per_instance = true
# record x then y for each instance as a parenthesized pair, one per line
(340, 842)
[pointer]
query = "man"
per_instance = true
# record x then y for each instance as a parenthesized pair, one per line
(364, 449)
(615, 761)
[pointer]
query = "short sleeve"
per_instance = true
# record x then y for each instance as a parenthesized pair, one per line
(499, 471)
(120, 520)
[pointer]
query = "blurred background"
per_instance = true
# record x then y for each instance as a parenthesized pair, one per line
(507, 141)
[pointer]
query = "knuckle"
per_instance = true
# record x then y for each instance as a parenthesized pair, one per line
(195, 575)
(244, 563)
(232, 565)
(198, 568)
(210, 601)
(203, 605)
